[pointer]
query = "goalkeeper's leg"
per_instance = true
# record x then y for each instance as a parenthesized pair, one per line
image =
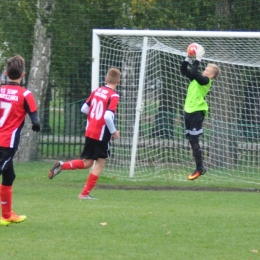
(197, 154)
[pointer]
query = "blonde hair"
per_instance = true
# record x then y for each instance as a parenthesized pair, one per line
(215, 69)
(113, 76)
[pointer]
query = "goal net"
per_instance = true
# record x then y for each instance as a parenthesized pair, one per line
(152, 93)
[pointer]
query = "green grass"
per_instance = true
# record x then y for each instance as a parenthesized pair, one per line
(140, 224)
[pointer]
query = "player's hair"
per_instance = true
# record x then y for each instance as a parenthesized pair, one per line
(15, 66)
(215, 69)
(113, 76)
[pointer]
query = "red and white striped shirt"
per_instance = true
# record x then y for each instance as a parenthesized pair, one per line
(15, 103)
(101, 100)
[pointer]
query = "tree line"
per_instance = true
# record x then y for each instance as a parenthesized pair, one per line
(55, 37)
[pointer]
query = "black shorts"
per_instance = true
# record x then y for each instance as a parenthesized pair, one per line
(193, 123)
(6, 158)
(94, 149)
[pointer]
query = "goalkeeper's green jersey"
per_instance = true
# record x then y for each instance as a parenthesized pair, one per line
(195, 99)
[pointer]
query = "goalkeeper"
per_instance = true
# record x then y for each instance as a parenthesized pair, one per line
(195, 106)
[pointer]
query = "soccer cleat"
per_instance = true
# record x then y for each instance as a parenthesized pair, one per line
(196, 174)
(86, 197)
(55, 170)
(13, 219)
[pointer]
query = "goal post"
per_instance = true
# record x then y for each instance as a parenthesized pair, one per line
(138, 106)
(152, 93)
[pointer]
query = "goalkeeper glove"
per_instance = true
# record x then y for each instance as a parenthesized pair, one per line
(36, 127)
(199, 52)
(188, 58)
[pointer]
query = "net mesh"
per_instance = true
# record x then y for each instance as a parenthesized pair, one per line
(231, 129)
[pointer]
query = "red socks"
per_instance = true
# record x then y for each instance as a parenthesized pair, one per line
(90, 184)
(6, 200)
(73, 165)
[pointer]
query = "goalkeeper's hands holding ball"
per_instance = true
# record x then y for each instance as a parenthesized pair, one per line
(188, 58)
(199, 52)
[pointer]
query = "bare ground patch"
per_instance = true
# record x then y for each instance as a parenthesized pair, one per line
(177, 188)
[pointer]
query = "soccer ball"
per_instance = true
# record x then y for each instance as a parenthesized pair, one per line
(191, 50)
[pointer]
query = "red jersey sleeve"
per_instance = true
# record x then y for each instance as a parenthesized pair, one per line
(113, 103)
(30, 103)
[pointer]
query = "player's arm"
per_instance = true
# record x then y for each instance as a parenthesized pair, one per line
(109, 119)
(35, 121)
(31, 109)
(185, 71)
(202, 80)
(85, 108)
(184, 67)
(110, 115)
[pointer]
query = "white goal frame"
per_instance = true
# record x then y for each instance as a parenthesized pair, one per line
(95, 81)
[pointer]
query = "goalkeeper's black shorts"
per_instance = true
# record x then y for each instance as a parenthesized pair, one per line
(193, 123)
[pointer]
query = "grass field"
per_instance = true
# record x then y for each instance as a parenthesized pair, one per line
(126, 224)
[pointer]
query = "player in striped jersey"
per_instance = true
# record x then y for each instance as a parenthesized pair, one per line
(15, 103)
(100, 108)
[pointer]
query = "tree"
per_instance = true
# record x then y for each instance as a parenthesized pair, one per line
(26, 25)
(39, 75)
